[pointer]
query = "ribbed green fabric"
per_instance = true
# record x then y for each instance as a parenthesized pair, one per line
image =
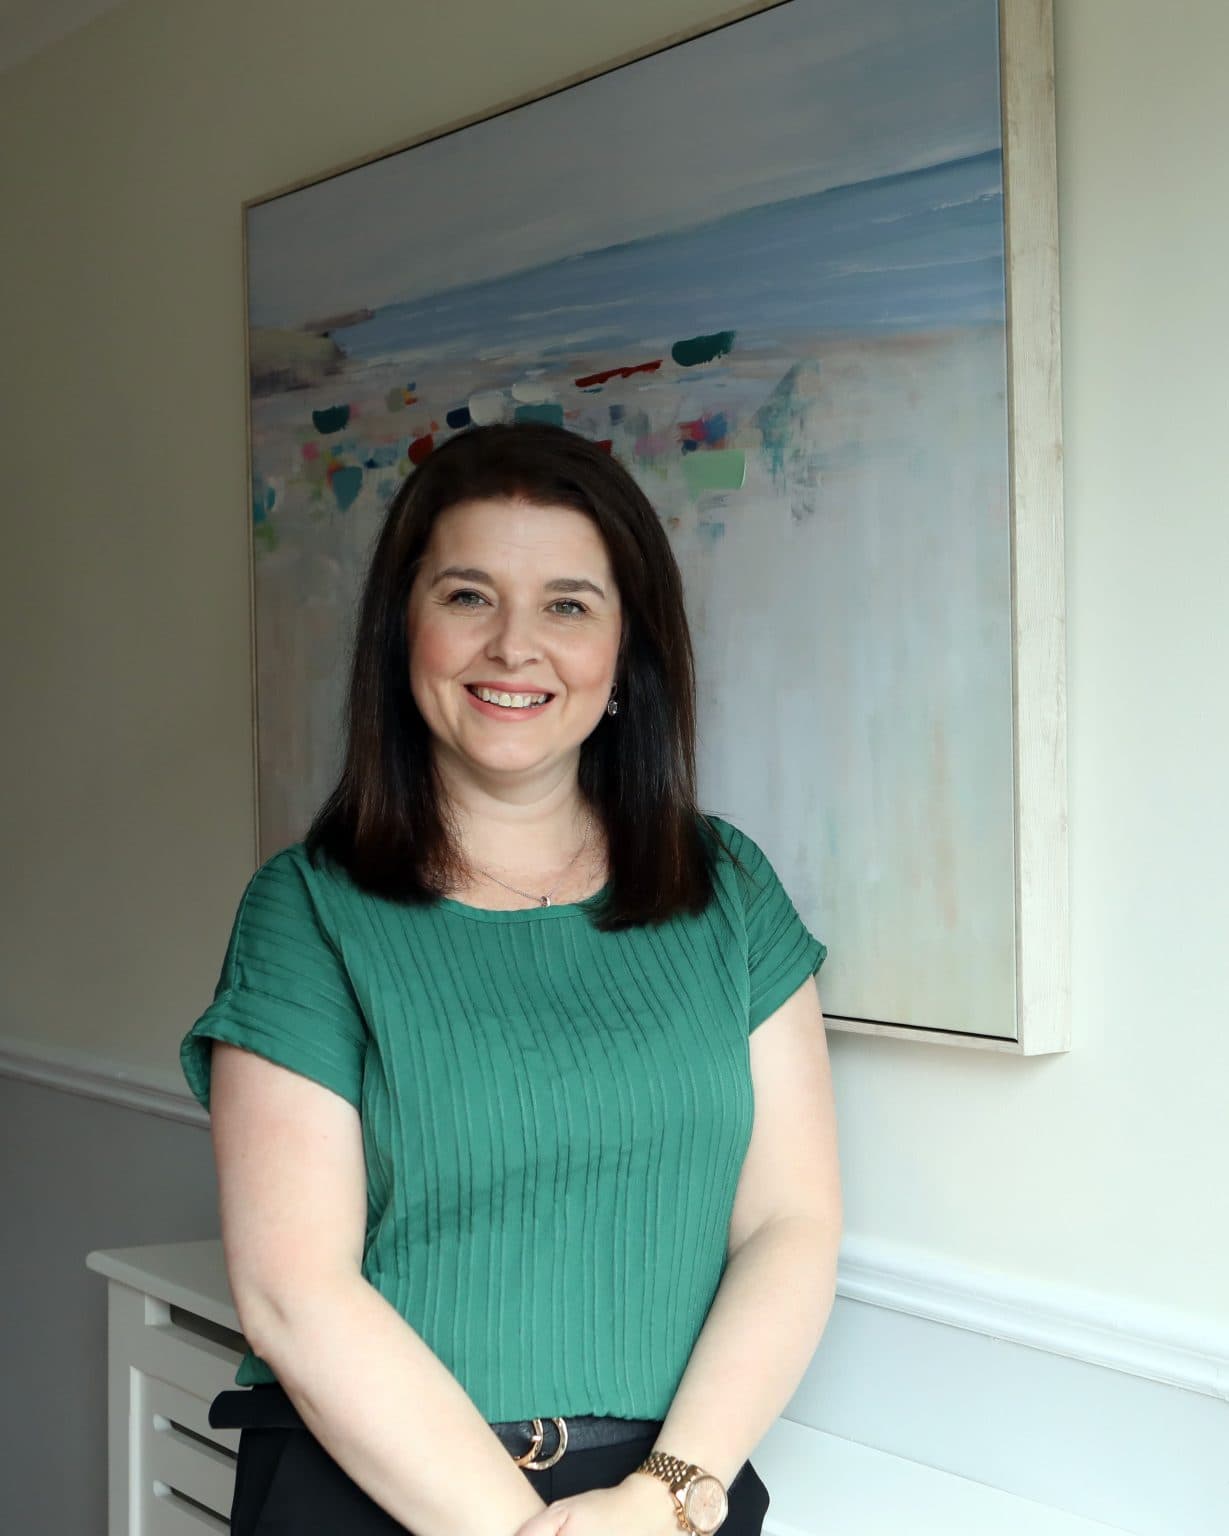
(554, 1119)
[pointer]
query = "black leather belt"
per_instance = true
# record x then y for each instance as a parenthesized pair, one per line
(533, 1443)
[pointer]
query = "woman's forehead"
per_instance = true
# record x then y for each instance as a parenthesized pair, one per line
(516, 531)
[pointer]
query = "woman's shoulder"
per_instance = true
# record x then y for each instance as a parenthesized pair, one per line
(296, 887)
(740, 862)
(732, 845)
(288, 866)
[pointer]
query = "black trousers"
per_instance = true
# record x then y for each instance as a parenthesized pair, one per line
(287, 1484)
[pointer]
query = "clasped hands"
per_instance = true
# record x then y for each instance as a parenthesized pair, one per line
(638, 1506)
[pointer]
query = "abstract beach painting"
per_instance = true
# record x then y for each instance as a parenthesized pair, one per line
(765, 268)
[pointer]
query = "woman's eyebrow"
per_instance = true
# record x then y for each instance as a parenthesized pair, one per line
(560, 583)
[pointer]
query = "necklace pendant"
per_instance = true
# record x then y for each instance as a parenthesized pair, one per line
(544, 901)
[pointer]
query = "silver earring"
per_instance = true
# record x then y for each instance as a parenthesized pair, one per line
(612, 704)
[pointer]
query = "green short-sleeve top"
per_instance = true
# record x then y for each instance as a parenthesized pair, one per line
(551, 1115)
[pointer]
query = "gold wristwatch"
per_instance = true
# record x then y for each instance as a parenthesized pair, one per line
(700, 1503)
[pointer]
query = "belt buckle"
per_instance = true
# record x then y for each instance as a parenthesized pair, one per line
(529, 1458)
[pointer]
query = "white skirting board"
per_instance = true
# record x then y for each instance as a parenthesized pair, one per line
(1092, 1404)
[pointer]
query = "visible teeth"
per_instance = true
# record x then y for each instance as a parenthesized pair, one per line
(511, 700)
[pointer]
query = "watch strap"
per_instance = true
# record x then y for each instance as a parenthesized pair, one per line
(677, 1475)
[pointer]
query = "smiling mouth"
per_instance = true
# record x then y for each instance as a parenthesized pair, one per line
(509, 700)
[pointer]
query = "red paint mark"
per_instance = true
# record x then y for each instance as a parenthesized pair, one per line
(408, 398)
(311, 451)
(592, 379)
(709, 430)
(435, 426)
(420, 448)
(606, 444)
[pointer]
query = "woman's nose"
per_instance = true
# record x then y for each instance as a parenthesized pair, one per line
(514, 639)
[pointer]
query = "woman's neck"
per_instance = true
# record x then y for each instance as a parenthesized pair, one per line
(553, 841)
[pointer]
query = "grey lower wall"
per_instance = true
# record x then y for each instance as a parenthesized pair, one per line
(76, 1174)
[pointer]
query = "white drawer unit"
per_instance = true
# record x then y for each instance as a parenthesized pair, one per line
(173, 1344)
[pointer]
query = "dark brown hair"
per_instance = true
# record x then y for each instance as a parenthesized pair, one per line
(386, 822)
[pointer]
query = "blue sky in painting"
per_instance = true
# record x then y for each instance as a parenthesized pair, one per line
(813, 95)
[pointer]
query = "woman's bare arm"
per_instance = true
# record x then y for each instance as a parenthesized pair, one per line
(293, 1203)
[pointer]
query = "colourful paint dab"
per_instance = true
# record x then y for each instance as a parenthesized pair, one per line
(332, 419)
(532, 391)
(549, 410)
(346, 481)
(720, 469)
(263, 499)
(420, 448)
(395, 399)
(311, 452)
(708, 431)
(486, 407)
(702, 349)
(592, 379)
(459, 417)
(653, 445)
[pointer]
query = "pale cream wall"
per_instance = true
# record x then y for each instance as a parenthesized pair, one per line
(127, 778)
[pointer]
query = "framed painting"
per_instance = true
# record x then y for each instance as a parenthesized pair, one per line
(799, 273)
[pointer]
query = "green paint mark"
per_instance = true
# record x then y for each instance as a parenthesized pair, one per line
(702, 349)
(714, 469)
(547, 410)
(394, 400)
(332, 419)
(775, 418)
(782, 423)
(263, 499)
(347, 483)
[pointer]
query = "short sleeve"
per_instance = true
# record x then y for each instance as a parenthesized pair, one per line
(283, 991)
(781, 950)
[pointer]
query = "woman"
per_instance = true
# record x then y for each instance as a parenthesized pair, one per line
(518, 1082)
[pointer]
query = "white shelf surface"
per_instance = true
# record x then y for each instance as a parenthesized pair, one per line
(822, 1485)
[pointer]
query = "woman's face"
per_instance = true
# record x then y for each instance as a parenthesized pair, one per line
(517, 599)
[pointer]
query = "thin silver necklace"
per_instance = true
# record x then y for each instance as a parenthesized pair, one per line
(542, 901)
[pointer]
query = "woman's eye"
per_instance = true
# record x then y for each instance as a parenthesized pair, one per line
(461, 599)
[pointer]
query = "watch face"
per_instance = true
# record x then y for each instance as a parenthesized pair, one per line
(705, 1505)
